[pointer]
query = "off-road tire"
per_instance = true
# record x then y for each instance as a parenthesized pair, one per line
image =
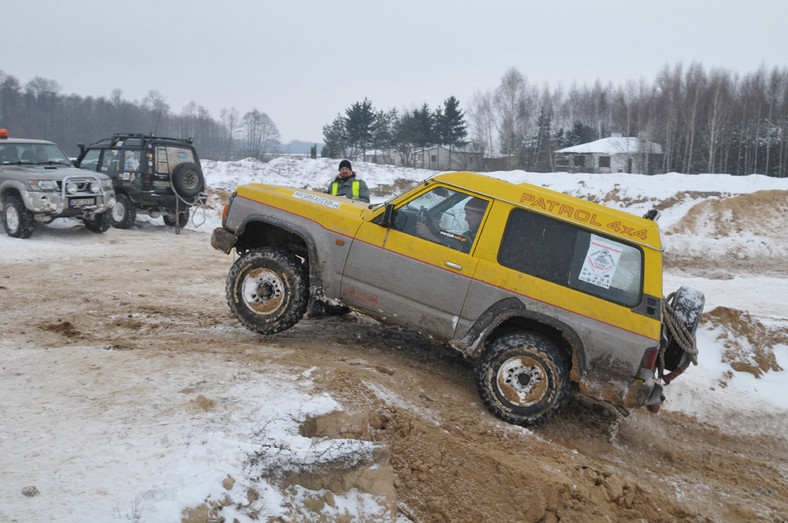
(187, 180)
(523, 378)
(100, 222)
(17, 220)
(183, 218)
(267, 290)
(123, 213)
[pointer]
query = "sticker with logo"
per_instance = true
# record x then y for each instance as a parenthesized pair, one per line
(316, 199)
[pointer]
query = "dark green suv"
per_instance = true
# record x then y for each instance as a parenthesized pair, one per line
(151, 174)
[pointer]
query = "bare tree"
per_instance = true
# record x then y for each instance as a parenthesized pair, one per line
(513, 106)
(260, 133)
(232, 127)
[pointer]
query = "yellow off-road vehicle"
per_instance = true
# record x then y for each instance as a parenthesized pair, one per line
(548, 294)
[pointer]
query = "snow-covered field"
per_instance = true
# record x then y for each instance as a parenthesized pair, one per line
(92, 464)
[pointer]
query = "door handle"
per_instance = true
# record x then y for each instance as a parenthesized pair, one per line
(454, 265)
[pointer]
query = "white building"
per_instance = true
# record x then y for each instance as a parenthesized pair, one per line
(612, 155)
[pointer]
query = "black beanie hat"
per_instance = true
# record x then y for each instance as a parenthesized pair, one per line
(345, 163)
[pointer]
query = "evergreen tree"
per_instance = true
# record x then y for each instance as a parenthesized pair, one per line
(451, 124)
(580, 133)
(360, 119)
(424, 127)
(335, 138)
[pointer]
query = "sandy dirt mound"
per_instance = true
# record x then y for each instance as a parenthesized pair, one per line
(758, 214)
(744, 233)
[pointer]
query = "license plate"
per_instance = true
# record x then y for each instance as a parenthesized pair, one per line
(161, 185)
(81, 202)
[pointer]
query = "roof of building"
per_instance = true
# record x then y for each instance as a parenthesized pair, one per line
(615, 145)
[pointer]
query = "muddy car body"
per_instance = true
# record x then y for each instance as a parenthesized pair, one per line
(152, 175)
(546, 293)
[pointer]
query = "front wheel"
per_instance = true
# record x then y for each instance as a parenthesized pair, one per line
(523, 378)
(17, 220)
(267, 290)
(99, 222)
(123, 212)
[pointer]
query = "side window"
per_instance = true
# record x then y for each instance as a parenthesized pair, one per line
(444, 216)
(131, 160)
(571, 256)
(90, 160)
(111, 161)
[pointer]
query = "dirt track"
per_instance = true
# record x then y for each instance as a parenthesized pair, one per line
(452, 460)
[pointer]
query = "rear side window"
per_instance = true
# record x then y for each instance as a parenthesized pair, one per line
(567, 255)
(167, 157)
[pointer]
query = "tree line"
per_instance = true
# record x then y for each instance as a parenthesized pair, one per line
(706, 122)
(37, 109)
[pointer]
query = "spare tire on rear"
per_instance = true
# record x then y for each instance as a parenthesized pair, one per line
(187, 180)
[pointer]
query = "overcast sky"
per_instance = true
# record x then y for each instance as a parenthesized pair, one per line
(305, 62)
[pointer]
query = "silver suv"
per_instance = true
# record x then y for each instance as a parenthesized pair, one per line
(38, 183)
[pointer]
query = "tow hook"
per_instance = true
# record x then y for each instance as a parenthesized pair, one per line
(654, 407)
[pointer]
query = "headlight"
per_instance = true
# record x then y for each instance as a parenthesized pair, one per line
(71, 188)
(43, 185)
(106, 184)
(95, 187)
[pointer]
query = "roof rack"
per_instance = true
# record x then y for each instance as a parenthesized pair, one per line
(125, 136)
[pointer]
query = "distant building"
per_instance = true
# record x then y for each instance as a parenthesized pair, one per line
(437, 158)
(612, 155)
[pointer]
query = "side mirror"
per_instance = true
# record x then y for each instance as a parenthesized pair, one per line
(388, 215)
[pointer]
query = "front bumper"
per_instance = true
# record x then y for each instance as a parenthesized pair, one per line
(223, 240)
(53, 203)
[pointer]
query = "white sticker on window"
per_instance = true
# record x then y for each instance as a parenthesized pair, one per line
(600, 263)
(316, 199)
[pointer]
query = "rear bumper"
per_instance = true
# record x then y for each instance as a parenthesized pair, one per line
(223, 240)
(647, 393)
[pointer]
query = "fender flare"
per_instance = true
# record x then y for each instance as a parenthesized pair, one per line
(510, 309)
(315, 277)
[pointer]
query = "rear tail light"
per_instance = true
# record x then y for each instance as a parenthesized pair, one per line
(224, 211)
(650, 358)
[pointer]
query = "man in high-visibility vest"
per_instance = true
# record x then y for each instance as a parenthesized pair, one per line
(346, 184)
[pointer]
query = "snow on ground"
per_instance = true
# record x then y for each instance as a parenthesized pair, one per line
(183, 459)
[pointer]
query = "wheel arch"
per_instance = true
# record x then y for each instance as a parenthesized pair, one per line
(510, 315)
(10, 190)
(261, 231)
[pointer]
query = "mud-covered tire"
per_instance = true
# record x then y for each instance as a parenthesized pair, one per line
(523, 378)
(183, 218)
(99, 222)
(123, 213)
(17, 220)
(188, 180)
(267, 290)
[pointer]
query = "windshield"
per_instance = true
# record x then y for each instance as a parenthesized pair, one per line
(32, 154)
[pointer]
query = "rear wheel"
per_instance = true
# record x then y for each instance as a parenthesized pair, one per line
(123, 212)
(267, 290)
(523, 378)
(183, 218)
(17, 220)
